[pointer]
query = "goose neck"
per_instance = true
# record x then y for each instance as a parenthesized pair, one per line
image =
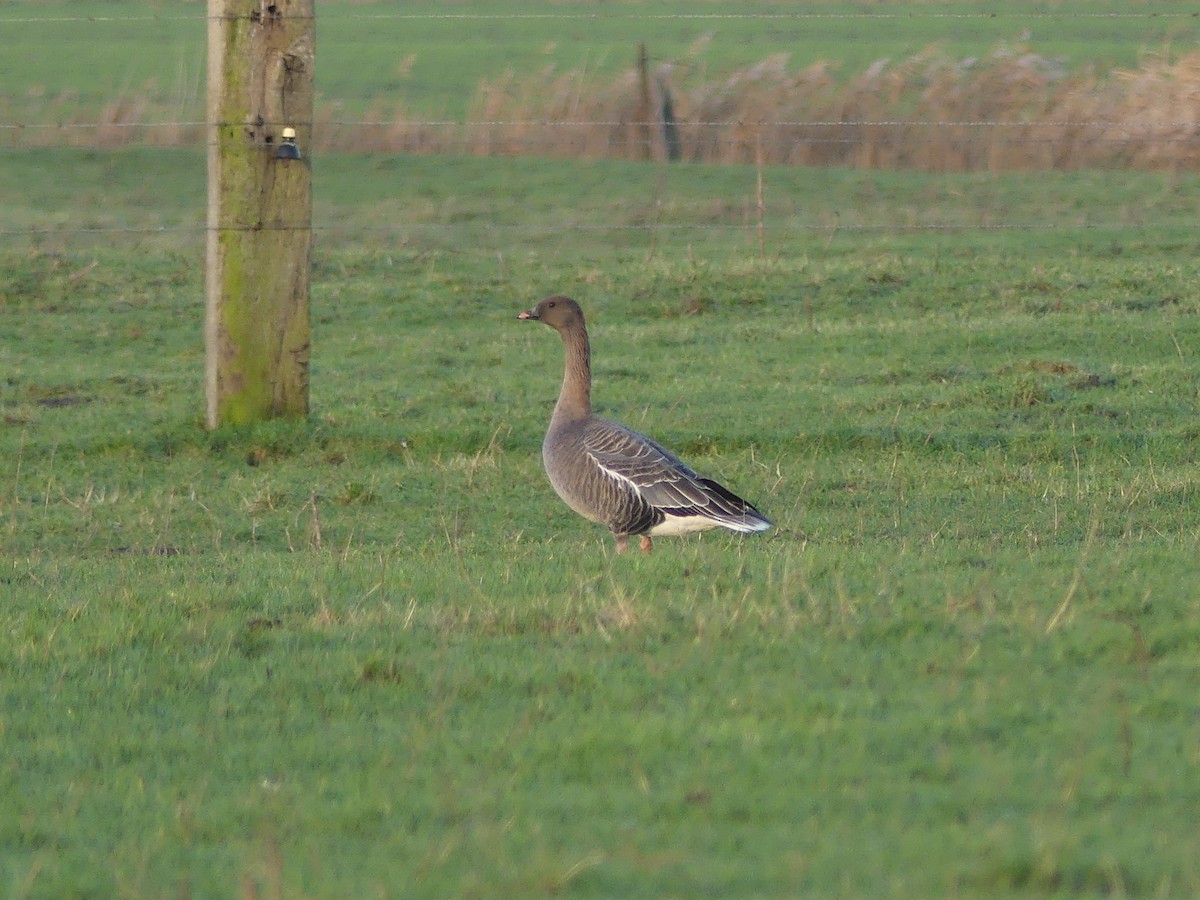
(575, 398)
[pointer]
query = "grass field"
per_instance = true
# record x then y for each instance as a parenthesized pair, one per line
(371, 654)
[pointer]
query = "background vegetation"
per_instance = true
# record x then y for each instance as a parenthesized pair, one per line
(372, 654)
(932, 86)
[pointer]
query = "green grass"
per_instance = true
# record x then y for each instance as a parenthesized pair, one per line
(371, 654)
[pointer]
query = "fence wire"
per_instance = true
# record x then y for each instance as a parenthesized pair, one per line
(500, 228)
(615, 123)
(998, 12)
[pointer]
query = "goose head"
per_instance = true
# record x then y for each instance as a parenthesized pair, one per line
(560, 313)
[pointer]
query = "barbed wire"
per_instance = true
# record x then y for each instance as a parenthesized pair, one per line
(612, 15)
(785, 123)
(995, 14)
(480, 146)
(615, 123)
(55, 20)
(494, 227)
(85, 126)
(585, 151)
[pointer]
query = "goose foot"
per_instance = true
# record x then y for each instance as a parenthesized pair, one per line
(644, 543)
(622, 543)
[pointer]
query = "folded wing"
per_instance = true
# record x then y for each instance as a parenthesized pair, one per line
(664, 482)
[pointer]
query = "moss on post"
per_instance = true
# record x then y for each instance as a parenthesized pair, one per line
(257, 333)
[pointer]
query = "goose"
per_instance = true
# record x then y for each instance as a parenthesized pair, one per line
(612, 474)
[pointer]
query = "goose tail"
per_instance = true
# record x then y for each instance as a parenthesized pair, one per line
(731, 511)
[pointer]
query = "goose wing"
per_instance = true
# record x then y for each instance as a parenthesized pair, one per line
(664, 481)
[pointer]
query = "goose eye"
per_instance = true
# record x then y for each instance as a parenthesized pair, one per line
(552, 304)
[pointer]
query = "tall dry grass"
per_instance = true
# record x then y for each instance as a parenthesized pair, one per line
(1011, 109)
(132, 117)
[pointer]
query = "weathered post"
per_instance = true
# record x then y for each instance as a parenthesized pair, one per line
(261, 57)
(649, 135)
(659, 132)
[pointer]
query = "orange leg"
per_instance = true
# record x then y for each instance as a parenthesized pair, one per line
(622, 543)
(645, 544)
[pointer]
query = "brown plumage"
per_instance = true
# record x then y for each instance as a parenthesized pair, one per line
(612, 474)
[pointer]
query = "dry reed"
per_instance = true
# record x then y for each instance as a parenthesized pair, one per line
(1012, 109)
(1009, 110)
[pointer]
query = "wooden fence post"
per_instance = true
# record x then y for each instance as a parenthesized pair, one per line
(650, 145)
(261, 57)
(655, 114)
